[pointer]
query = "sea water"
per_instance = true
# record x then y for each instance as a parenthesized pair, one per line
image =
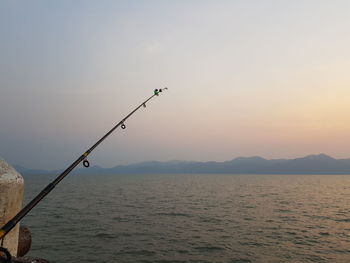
(191, 218)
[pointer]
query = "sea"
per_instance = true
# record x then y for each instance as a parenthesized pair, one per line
(195, 218)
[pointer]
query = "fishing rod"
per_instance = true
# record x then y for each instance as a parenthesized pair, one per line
(83, 158)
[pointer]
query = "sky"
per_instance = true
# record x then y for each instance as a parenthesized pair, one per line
(245, 78)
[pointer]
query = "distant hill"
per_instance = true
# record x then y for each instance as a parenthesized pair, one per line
(312, 164)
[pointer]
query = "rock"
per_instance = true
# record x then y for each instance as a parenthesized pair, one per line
(11, 197)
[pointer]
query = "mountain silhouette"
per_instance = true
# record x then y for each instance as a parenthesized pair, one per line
(311, 164)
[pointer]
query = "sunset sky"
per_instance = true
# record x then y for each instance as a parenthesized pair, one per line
(245, 78)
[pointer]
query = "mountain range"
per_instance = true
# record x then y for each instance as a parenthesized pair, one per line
(311, 164)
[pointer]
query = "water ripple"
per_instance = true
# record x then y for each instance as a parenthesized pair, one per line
(192, 219)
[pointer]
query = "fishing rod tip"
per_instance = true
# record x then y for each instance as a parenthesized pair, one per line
(157, 91)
